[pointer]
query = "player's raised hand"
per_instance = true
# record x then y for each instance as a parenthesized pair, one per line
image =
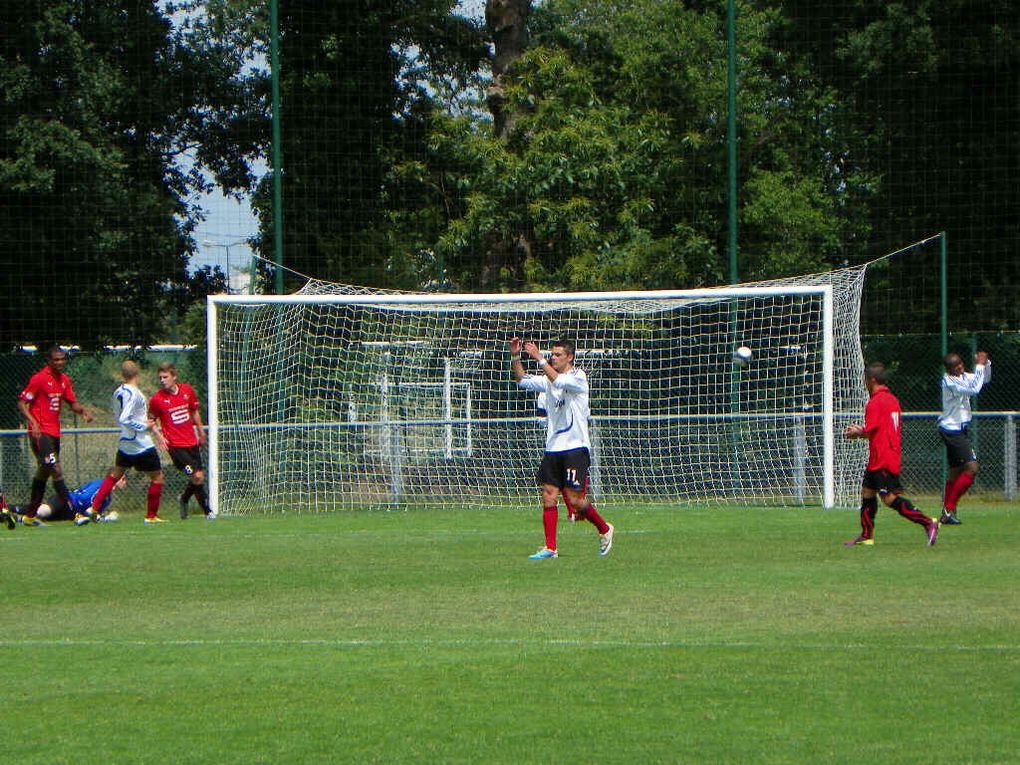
(515, 346)
(981, 357)
(532, 350)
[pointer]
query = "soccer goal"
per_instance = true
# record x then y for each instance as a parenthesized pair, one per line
(337, 400)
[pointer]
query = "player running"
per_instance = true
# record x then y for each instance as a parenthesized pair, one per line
(179, 431)
(564, 467)
(40, 404)
(882, 420)
(958, 386)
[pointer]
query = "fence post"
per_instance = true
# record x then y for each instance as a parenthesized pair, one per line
(1009, 458)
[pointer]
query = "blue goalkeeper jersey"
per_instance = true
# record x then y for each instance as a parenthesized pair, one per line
(81, 498)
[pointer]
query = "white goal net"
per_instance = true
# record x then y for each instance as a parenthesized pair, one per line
(337, 398)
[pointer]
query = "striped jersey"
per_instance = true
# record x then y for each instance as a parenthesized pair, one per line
(956, 393)
(131, 410)
(567, 409)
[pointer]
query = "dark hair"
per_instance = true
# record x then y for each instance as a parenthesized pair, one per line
(567, 345)
(951, 360)
(876, 371)
(54, 350)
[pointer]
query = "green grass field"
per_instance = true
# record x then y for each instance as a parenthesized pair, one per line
(707, 636)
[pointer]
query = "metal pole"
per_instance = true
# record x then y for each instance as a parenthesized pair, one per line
(731, 134)
(944, 291)
(274, 35)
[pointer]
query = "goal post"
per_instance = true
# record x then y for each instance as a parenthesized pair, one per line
(327, 402)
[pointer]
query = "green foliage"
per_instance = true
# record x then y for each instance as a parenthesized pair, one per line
(613, 174)
(101, 101)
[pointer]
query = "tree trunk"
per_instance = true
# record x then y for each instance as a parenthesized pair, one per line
(507, 23)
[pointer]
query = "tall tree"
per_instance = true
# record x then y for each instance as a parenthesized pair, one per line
(612, 171)
(103, 103)
(354, 99)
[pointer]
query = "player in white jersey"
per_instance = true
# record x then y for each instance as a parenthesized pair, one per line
(567, 458)
(958, 386)
(136, 447)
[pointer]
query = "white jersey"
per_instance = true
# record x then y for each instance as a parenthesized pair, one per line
(956, 393)
(567, 410)
(132, 413)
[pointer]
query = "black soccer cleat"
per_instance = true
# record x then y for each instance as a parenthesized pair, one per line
(8, 518)
(949, 519)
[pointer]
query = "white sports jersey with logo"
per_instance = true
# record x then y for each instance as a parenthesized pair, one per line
(132, 413)
(956, 393)
(567, 409)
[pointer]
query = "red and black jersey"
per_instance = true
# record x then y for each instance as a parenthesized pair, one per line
(882, 420)
(173, 411)
(44, 393)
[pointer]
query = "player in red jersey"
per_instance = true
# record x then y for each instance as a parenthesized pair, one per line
(882, 421)
(40, 404)
(179, 431)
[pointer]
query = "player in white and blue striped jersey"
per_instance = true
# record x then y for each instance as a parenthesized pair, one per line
(136, 448)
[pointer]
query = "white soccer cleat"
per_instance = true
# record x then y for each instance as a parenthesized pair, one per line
(606, 540)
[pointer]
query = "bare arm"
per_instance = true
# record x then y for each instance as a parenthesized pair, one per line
(532, 350)
(81, 411)
(26, 414)
(516, 367)
(196, 419)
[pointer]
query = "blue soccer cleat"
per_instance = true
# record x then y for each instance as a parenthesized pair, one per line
(545, 552)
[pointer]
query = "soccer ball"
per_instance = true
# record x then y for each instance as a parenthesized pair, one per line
(742, 356)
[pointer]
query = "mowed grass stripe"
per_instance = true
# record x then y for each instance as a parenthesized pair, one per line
(730, 635)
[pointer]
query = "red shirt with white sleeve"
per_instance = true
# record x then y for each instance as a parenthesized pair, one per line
(44, 393)
(882, 420)
(173, 411)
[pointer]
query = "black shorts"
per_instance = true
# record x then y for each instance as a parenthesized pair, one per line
(46, 449)
(882, 481)
(143, 462)
(565, 469)
(60, 510)
(187, 459)
(959, 450)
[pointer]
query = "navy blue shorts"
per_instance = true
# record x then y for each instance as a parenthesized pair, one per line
(959, 450)
(565, 469)
(143, 462)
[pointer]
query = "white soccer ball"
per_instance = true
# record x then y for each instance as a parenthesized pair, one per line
(742, 356)
(110, 517)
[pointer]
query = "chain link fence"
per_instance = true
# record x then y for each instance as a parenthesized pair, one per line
(914, 360)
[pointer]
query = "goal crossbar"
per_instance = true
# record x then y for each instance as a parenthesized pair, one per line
(263, 367)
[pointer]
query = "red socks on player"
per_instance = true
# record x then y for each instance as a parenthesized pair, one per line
(104, 491)
(550, 515)
(152, 499)
(956, 489)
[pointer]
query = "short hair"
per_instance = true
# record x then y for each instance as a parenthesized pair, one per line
(54, 350)
(130, 370)
(567, 345)
(168, 366)
(876, 371)
(951, 360)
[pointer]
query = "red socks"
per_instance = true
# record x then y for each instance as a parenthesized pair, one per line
(591, 514)
(956, 489)
(104, 491)
(152, 499)
(549, 518)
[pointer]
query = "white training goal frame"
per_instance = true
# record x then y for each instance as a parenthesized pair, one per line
(438, 436)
